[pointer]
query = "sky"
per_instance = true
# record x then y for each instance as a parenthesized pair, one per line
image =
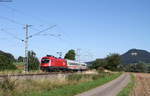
(96, 27)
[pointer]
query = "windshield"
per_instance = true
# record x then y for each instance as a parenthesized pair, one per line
(45, 61)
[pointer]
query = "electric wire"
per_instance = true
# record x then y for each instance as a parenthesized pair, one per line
(15, 37)
(38, 33)
(11, 20)
(24, 14)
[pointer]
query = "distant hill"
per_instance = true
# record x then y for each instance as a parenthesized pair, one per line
(135, 56)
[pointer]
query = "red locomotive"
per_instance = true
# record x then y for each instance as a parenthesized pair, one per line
(51, 63)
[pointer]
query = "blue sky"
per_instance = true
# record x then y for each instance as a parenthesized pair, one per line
(97, 27)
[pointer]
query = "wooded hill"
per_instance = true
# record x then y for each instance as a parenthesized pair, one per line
(135, 56)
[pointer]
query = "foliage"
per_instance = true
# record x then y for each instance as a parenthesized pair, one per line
(136, 67)
(70, 55)
(8, 55)
(134, 56)
(111, 62)
(135, 60)
(98, 63)
(7, 86)
(20, 59)
(6, 61)
(33, 61)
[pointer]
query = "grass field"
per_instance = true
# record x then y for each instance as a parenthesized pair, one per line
(68, 86)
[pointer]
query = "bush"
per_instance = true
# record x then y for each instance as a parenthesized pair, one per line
(6, 63)
(33, 61)
(111, 62)
(99, 63)
(7, 84)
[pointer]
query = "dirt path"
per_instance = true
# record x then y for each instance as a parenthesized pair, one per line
(142, 87)
(110, 89)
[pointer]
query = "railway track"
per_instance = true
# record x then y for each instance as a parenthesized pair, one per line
(39, 75)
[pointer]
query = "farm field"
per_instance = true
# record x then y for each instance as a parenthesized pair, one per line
(142, 87)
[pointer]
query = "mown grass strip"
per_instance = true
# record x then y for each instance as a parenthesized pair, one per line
(72, 90)
(129, 88)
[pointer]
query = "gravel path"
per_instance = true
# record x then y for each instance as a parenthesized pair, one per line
(110, 89)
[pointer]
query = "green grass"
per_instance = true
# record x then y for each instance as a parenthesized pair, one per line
(19, 71)
(58, 86)
(129, 88)
(18, 63)
(72, 90)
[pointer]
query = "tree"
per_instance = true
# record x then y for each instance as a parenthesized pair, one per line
(148, 69)
(140, 67)
(113, 60)
(33, 61)
(6, 61)
(70, 55)
(99, 63)
(20, 59)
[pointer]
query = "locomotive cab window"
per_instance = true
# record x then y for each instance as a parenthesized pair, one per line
(45, 60)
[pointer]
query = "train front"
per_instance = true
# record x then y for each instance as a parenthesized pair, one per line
(51, 63)
(45, 63)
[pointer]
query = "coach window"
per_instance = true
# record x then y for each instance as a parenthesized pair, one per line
(73, 64)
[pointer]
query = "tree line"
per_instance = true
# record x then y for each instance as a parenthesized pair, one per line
(8, 62)
(111, 62)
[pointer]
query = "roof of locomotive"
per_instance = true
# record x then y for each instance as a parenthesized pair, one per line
(52, 57)
(71, 61)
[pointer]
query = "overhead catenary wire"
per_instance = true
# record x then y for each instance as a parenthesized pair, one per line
(26, 42)
(26, 38)
(15, 22)
(25, 14)
(38, 33)
(58, 35)
(15, 37)
(33, 17)
(30, 36)
(11, 20)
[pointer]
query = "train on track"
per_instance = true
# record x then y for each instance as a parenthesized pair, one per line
(51, 63)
